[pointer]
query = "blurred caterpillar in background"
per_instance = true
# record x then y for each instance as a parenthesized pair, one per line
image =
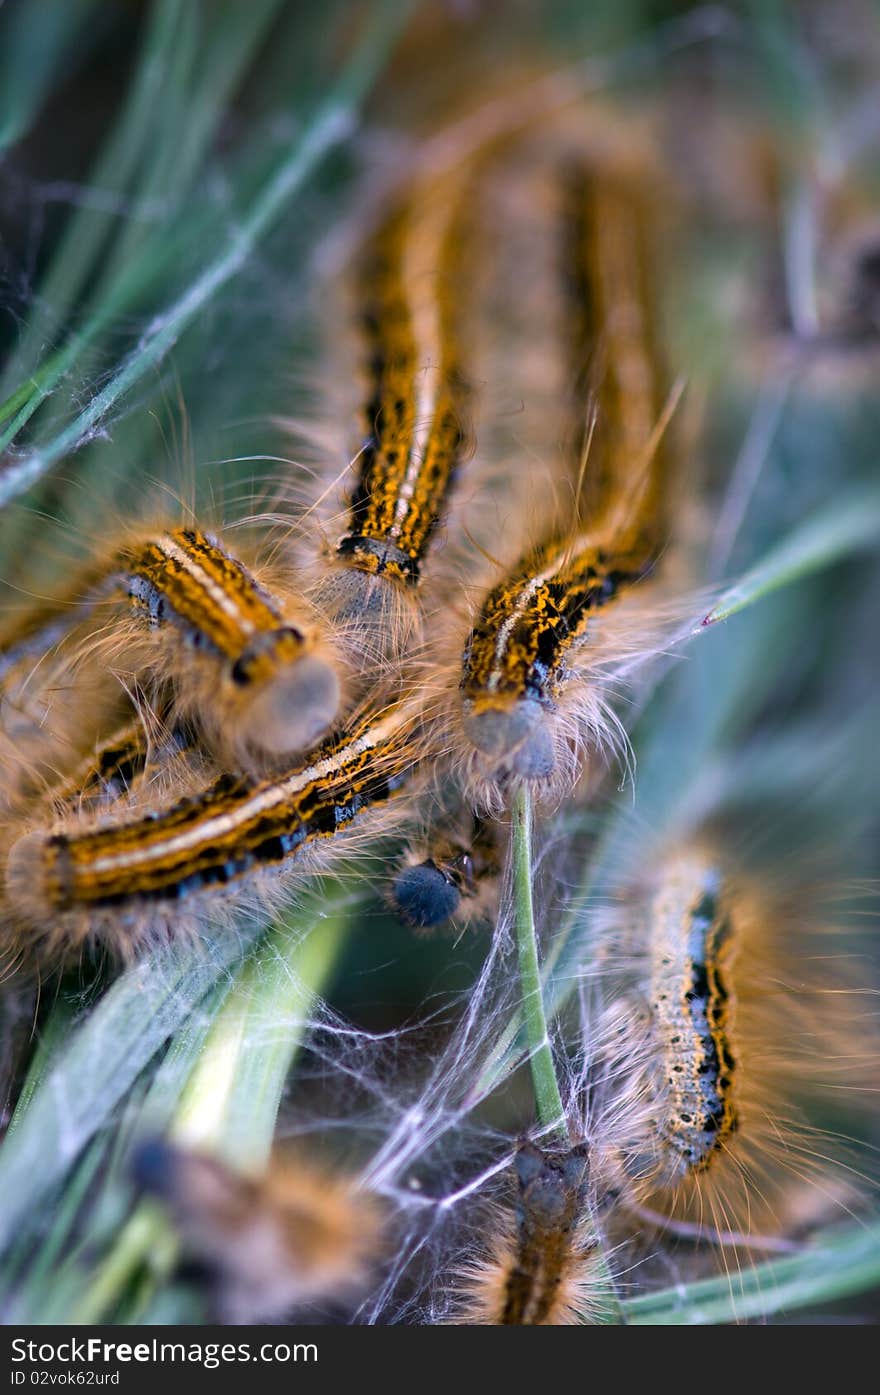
(295, 1236)
(744, 1031)
(531, 681)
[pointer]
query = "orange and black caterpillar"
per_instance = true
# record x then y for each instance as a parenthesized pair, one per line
(733, 1036)
(527, 640)
(412, 298)
(417, 405)
(245, 663)
(416, 410)
(64, 885)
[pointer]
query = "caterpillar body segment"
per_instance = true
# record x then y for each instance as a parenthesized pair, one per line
(413, 416)
(620, 388)
(116, 878)
(691, 943)
(147, 758)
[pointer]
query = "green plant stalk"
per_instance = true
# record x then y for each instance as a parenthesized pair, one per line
(332, 123)
(230, 1102)
(825, 1272)
(191, 124)
(41, 1062)
(821, 541)
(25, 1272)
(87, 229)
(100, 1060)
(548, 1101)
(168, 117)
(146, 1239)
(52, 1278)
(190, 111)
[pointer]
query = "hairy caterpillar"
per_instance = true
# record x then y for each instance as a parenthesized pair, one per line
(543, 1268)
(411, 293)
(742, 1041)
(247, 665)
(98, 880)
(268, 1244)
(525, 684)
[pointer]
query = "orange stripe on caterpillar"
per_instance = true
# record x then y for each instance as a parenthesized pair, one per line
(78, 883)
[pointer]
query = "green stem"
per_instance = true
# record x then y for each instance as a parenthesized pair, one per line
(827, 1271)
(229, 1104)
(822, 540)
(231, 1100)
(53, 1034)
(548, 1101)
(35, 43)
(145, 1238)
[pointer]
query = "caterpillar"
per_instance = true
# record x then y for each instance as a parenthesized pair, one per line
(411, 291)
(293, 1236)
(249, 667)
(530, 678)
(543, 1266)
(741, 1038)
(113, 879)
